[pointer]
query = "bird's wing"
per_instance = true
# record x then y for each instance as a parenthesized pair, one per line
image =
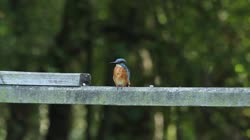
(128, 73)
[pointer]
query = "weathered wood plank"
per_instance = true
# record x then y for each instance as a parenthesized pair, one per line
(40, 78)
(131, 96)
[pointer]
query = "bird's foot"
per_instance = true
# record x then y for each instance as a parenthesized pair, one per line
(119, 87)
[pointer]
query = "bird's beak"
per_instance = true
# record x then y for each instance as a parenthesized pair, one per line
(112, 62)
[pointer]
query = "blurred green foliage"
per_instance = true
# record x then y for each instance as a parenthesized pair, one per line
(166, 43)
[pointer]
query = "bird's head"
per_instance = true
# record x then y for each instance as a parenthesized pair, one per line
(119, 61)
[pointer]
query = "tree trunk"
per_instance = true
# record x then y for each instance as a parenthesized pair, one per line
(60, 122)
(21, 123)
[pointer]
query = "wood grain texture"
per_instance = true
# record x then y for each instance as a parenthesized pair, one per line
(128, 96)
(44, 79)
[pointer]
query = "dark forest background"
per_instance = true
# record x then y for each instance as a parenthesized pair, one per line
(170, 43)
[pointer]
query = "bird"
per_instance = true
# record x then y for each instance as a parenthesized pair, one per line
(121, 73)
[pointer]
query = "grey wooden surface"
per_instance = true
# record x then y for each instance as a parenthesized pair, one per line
(128, 96)
(40, 78)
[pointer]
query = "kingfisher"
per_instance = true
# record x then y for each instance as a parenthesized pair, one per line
(121, 73)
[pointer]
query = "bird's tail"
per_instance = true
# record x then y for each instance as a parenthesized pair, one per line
(128, 84)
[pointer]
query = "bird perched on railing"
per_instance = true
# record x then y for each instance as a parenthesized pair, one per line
(121, 73)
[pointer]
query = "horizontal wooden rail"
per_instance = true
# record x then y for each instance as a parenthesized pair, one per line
(44, 79)
(129, 96)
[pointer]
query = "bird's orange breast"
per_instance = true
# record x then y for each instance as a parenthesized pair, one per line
(120, 76)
